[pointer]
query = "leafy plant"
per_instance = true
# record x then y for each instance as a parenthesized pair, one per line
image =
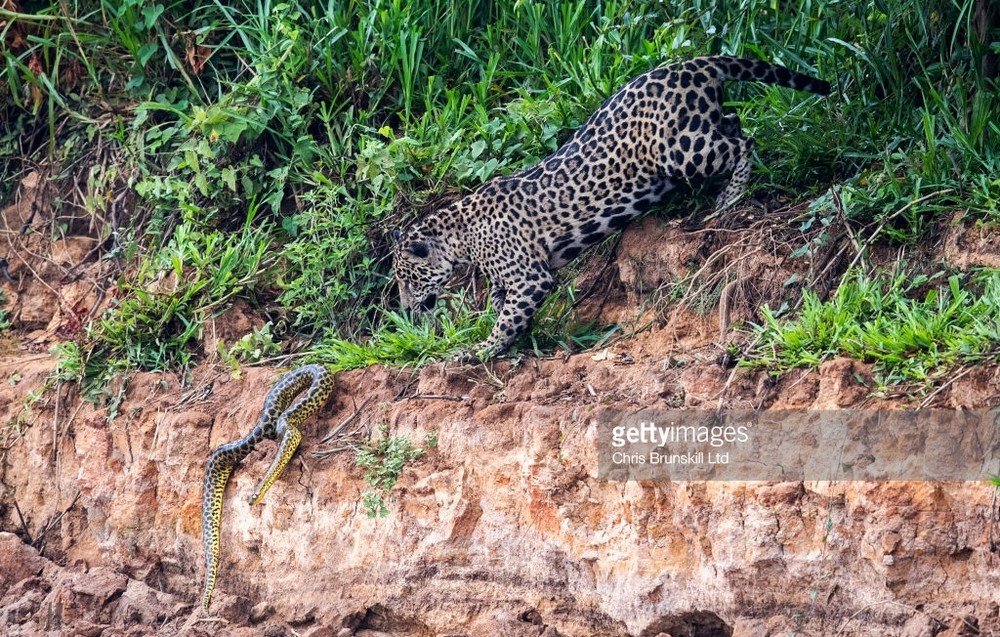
(162, 307)
(255, 346)
(383, 461)
(70, 365)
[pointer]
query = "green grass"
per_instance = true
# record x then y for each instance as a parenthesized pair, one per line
(263, 150)
(401, 342)
(557, 326)
(915, 328)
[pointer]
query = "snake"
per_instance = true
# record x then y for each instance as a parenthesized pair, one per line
(281, 417)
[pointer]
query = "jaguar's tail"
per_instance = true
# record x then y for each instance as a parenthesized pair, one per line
(747, 70)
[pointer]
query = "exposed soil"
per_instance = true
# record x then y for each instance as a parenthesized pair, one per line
(505, 527)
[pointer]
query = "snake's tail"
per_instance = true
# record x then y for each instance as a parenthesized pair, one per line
(220, 467)
(289, 443)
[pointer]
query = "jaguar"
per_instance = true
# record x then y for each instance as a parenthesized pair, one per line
(662, 129)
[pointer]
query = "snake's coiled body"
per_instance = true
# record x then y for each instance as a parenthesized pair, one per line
(279, 420)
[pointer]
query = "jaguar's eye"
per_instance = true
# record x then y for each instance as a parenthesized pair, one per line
(419, 250)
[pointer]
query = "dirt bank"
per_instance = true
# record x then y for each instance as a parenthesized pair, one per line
(505, 527)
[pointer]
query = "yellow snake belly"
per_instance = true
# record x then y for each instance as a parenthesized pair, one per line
(279, 420)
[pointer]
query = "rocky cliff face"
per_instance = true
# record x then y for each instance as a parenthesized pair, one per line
(505, 528)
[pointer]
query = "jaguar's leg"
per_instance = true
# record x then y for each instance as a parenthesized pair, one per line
(497, 296)
(730, 125)
(737, 160)
(522, 299)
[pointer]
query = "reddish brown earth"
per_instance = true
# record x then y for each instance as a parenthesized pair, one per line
(503, 529)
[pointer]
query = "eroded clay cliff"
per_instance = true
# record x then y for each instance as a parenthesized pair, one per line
(504, 528)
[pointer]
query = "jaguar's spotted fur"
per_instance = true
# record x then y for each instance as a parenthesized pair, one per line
(662, 128)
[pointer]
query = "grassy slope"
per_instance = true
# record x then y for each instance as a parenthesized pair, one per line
(271, 145)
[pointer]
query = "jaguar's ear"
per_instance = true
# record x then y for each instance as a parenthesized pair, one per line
(397, 235)
(418, 249)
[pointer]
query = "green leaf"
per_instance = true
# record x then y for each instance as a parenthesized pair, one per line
(229, 177)
(147, 51)
(205, 149)
(151, 14)
(230, 130)
(274, 199)
(191, 160)
(201, 182)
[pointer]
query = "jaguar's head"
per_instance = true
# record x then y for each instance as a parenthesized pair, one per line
(421, 268)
